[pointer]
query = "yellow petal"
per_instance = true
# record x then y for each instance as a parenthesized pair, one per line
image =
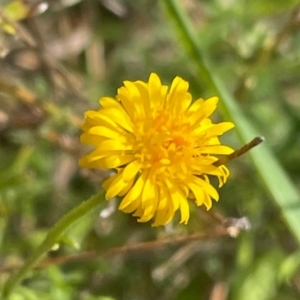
(198, 192)
(107, 182)
(129, 208)
(163, 198)
(216, 149)
(131, 170)
(196, 105)
(174, 192)
(108, 102)
(184, 210)
(126, 188)
(114, 161)
(89, 139)
(204, 111)
(149, 200)
(109, 145)
(207, 201)
(178, 99)
(115, 187)
(134, 193)
(156, 94)
(163, 217)
(130, 107)
(208, 188)
(108, 133)
(135, 98)
(120, 117)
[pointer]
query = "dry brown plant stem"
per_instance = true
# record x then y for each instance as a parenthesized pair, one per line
(128, 249)
(237, 153)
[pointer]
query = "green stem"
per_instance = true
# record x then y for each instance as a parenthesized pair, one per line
(52, 237)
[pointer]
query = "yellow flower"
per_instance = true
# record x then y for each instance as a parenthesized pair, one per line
(161, 145)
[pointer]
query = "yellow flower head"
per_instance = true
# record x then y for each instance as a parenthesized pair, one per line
(161, 145)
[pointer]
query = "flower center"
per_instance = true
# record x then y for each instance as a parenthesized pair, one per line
(163, 141)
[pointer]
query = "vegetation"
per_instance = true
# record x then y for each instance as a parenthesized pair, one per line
(57, 60)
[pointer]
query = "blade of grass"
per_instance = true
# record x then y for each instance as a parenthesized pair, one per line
(272, 174)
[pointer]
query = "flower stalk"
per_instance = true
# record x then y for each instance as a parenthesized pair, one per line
(53, 235)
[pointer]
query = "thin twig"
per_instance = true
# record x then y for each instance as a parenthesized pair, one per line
(24, 35)
(144, 246)
(223, 160)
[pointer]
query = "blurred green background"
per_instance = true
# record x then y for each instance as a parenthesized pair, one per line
(59, 57)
